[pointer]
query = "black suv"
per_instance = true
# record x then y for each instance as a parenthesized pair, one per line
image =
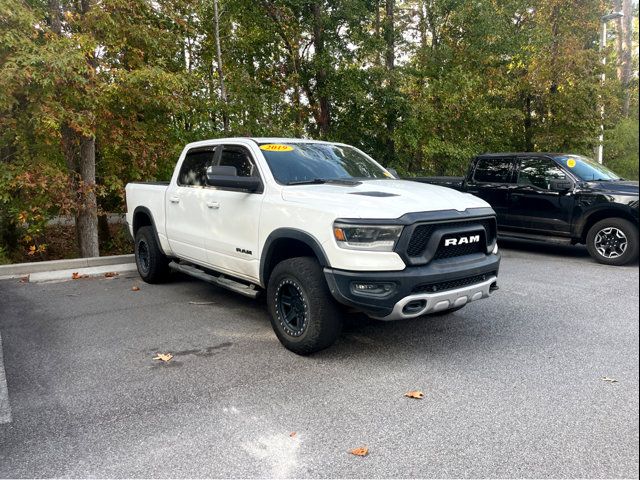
(556, 197)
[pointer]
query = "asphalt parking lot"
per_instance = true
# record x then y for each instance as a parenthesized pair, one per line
(513, 385)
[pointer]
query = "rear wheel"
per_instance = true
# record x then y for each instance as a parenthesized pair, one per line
(613, 241)
(153, 265)
(304, 315)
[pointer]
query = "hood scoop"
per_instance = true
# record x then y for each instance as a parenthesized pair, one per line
(374, 194)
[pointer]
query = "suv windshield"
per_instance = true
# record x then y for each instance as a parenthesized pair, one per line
(586, 169)
(297, 163)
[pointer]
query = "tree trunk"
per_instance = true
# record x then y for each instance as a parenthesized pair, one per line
(528, 132)
(390, 59)
(80, 156)
(324, 115)
(223, 90)
(625, 49)
(87, 215)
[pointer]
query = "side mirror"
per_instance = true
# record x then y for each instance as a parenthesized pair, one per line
(227, 177)
(561, 184)
(393, 172)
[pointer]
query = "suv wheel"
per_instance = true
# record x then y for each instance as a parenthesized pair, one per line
(613, 241)
(153, 265)
(304, 315)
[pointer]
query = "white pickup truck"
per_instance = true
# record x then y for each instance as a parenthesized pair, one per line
(319, 226)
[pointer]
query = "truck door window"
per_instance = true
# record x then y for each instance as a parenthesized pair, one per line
(493, 170)
(194, 167)
(239, 158)
(538, 172)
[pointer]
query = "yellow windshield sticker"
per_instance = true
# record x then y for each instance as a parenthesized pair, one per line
(571, 163)
(276, 147)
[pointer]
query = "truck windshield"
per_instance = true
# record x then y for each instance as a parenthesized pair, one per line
(586, 169)
(300, 163)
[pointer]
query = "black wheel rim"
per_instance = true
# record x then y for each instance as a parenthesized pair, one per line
(143, 256)
(611, 242)
(291, 308)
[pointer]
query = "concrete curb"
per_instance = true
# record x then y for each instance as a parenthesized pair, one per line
(18, 270)
(64, 275)
(5, 408)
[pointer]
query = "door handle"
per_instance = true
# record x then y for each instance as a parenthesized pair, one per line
(213, 205)
(174, 199)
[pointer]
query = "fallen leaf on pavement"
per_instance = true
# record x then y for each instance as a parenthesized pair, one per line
(201, 303)
(414, 394)
(610, 380)
(360, 452)
(292, 434)
(165, 357)
(111, 274)
(135, 288)
(78, 276)
(24, 279)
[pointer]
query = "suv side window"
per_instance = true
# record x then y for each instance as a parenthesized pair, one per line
(538, 172)
(240, 158)
(194, 167)
(493, 170)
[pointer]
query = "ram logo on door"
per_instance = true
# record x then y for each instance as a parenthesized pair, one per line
(451, 242)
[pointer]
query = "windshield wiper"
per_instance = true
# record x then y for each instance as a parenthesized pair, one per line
(317, 181)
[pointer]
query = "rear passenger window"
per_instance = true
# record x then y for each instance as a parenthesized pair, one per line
(194, 167)
(538, 172)
(493, 170)
(239, 158)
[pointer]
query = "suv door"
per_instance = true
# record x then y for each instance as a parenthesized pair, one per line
(184, 205)
(492, 180)
(534, 206)
(234, 216)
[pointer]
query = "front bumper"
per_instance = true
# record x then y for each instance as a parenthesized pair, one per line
(448, 283)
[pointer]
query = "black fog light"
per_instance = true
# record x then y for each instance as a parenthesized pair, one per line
(377, 289)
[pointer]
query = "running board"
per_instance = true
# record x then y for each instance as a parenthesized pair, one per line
(510, 235)
(220, 280)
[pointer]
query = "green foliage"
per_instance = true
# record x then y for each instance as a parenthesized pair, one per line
(621, 148)
(141, 76)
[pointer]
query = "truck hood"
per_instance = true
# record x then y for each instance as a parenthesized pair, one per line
(381, 198)
(624, 187)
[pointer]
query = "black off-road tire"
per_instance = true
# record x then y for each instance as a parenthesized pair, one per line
(153, 265)
(298, 285)
(602, 237)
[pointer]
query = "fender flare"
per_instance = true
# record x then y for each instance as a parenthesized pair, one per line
(147, 212)
(293, 234)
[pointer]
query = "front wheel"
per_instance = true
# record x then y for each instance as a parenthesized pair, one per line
(304, 315)
(613, 241)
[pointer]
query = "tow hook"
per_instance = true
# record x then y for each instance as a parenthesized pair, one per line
(494, 286)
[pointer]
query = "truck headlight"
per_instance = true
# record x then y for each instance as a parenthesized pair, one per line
(378, 238)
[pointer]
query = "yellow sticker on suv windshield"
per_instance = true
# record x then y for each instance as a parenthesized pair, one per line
(571, 163)
(276, 147)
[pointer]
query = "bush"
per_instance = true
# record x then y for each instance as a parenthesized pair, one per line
(621, 145)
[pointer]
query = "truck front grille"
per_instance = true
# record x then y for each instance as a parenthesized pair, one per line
(422, 234)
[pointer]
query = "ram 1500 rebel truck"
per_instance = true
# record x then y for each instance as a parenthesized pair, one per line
(317, 226)
(556, 197)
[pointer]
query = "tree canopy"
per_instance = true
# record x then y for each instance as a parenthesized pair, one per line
(96, 94)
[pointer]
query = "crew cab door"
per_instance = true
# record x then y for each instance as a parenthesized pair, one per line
(534, 206)
(185, 208)
(492, 179)
(234, 217)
